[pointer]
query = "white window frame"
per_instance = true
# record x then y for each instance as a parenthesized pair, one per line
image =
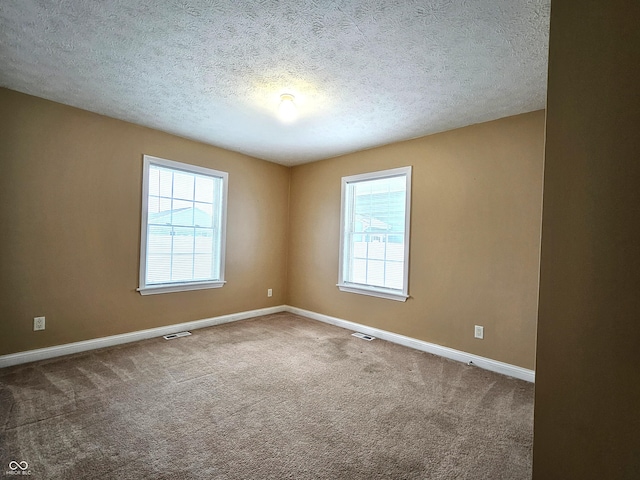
(344, 285)
(170, 287)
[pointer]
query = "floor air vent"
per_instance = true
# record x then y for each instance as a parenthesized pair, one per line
(176, 335)
(363, 336)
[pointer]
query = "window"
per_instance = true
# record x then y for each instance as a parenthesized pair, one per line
(374, 234)
(183, 227)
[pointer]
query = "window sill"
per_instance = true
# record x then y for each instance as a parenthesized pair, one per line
(373, 292)
(179, 287)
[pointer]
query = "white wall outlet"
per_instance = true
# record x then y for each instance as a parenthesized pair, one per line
(38, 324)
(479, 332)
(269, 293)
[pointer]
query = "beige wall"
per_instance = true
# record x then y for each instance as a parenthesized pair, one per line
(475, 238)
(70, 197)
(70, 194)
(587, 405)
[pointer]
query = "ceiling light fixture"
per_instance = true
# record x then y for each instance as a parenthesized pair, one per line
(287, 110)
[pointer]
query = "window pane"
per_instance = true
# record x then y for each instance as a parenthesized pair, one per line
(158, 268)
(375, 273)
(166, 182)
(183, 186)
(359, 247)
(204, 189)
(203, 267)
(395, 250)
(204, 240)
(183, 240)
(376, 248)
(159, 240)
(203, 215)
(359, 271)
(182, 254)
(165, 207)
(395, 274)
(397, 184)
(153, 205)
(182, 267)
(182, 212)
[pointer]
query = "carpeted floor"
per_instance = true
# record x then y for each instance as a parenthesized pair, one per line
(275, 397)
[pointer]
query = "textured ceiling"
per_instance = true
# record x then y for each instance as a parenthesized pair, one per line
(364, 73)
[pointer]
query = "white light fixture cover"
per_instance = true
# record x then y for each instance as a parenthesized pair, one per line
(287, 110)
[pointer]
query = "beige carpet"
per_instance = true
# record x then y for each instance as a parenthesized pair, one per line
(276, 397)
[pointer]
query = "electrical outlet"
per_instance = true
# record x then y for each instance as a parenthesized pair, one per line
(479, 332)
(38, 324)
(269, 293)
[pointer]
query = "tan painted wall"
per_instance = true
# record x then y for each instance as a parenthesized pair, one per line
(70, 197)
(475, 238)
(587, 405)
(71, 190)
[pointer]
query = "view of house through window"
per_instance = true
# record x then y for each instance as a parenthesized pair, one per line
(374, 233)
(183, 223)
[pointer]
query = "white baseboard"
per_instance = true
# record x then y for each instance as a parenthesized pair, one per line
(69, 348)
(482, 362)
